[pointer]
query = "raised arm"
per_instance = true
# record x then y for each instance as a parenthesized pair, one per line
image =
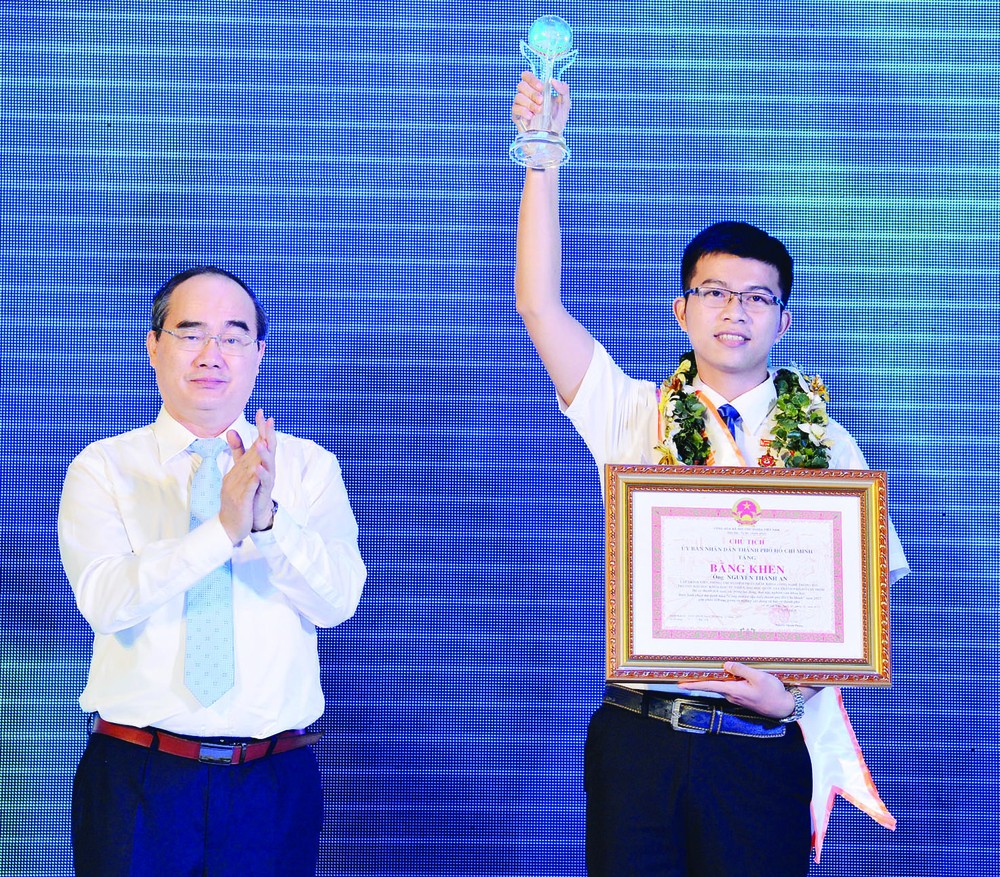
(563, 344)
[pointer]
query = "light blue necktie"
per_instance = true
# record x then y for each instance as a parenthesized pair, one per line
(731, 416)
(208, 605)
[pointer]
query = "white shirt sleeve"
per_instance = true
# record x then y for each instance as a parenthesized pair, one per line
(312, 549)
(845, 454)
(119, 577)
(614, 414)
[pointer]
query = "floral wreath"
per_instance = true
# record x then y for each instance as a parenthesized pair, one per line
(798, 420)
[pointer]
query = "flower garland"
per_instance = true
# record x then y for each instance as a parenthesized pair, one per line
(798, 420)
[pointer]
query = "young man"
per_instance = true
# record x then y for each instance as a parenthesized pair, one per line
(660, 800)
(204, 553)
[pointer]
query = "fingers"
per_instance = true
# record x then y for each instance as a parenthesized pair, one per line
(247, 463)
(748, 687)
(530, 91)
(235, 444)
(246, 488)
(264, 471)
(524, 109)
(242, 478)
(561, 104)
(739, 675)
(266, 432)
(239, 485)
(528, 100)
(265, 445)
(530, 80)
(742, 671)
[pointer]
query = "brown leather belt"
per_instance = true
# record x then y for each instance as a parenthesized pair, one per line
(211, 751)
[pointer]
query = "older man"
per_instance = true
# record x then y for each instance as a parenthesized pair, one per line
(204, 552)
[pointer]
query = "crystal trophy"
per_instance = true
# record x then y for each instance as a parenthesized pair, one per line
(549, 51)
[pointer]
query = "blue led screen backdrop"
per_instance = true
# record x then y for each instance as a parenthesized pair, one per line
(350, 160)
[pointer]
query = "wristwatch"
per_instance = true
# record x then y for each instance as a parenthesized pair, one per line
(274, 511)
(800, 705)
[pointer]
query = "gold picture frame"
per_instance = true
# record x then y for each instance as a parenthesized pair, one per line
(786, 570)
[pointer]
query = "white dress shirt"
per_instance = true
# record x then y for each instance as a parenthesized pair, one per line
(130, 558)
(617, 417)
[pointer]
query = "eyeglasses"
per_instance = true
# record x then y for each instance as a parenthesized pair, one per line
(231, 343)
(718, 297)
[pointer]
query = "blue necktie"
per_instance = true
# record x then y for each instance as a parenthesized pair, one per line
(731, 416)
(208, 605)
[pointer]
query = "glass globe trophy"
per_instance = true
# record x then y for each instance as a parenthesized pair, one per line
(549, 51)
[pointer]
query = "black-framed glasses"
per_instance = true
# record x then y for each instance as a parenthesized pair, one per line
(753, 302)
(232, 343)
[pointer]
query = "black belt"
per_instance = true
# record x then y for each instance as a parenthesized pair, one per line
(697, 715)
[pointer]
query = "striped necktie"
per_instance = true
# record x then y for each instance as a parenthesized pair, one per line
(208, 604)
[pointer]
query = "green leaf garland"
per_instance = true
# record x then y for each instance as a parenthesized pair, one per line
(797, 429)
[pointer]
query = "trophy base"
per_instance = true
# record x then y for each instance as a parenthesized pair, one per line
(539, 149)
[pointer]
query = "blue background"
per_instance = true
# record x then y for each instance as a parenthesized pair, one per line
(350, 160)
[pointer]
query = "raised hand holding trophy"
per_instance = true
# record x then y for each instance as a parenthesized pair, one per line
(549, 51)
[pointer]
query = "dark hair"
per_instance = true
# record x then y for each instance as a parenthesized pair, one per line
(743, 240)
(161, 301)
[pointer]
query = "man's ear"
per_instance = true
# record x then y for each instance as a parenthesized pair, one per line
(783, 324)
(680, 311)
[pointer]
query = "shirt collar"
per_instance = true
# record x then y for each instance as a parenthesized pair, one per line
(753, 405)
(172, 438)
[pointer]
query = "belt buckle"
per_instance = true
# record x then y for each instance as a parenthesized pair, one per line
(675, 715)
(215, 753)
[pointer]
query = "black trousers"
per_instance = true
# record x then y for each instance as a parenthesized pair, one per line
(141, 813)
(665, 803)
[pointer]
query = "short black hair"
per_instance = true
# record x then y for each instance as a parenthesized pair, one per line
(161, 301)
(743, 240)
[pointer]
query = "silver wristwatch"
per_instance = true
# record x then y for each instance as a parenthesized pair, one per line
(800, 705)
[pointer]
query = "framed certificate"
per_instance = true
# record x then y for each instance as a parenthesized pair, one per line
(782, 569)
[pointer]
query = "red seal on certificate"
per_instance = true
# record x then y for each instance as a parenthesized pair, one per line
(780, 614)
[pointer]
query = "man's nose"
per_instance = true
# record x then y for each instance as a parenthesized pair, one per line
(211, 351)
(735, 305)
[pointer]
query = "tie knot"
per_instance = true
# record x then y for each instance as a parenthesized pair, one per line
(731, 416)
(208, 449)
